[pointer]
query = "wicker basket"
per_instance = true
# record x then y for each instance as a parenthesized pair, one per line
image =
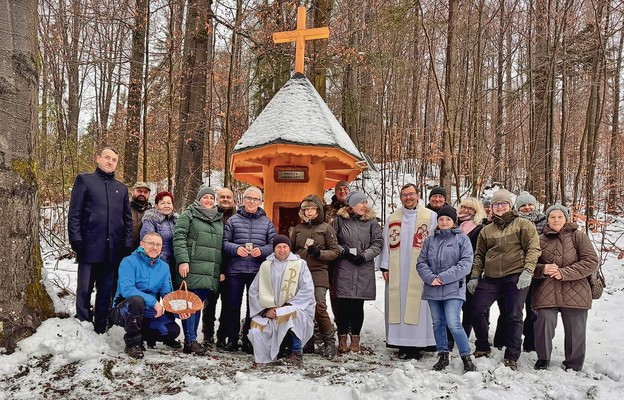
(182, 301)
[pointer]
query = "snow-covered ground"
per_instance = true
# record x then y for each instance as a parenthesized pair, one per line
(66, 359)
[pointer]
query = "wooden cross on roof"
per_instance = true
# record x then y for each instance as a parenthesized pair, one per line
(299, 36)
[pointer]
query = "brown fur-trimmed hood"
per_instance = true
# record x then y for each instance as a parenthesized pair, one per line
(345, 212)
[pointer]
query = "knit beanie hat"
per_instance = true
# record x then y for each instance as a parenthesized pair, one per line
(340, 184)
(487, 201)
(502, 195)
(563, 209)
(281, 239)
(448, 211)
(205, 189)
(438, 190)
(525, 198)
(354, 198)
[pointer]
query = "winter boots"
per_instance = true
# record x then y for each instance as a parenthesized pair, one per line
(355, 344)
(194, 348)
(342, 344)
(135, 351)
(541, 364)
(442, 363)
(468, 364)
(329, 350)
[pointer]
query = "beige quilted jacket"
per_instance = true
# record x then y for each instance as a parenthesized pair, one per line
(573, 252)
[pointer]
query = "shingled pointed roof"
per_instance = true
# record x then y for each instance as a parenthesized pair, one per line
(297, 115)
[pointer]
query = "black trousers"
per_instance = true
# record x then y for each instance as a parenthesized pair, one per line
(488, 291)
(351, 314)
(140, 322)
(101, 277)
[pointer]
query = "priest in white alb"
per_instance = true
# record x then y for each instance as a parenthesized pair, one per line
(281, 304)
(409, 326)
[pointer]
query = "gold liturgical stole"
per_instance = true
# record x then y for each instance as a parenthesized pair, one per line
(414, 284)
(290, 280)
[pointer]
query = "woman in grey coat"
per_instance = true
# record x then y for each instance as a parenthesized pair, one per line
(361, 239)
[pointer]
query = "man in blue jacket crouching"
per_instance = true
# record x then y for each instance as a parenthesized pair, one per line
(144, 278)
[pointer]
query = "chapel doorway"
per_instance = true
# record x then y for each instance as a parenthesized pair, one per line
(285, 216)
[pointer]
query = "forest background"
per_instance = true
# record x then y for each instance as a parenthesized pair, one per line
(469, 93)
(523, 94)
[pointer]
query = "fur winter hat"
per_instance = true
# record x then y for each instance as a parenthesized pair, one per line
(502, 195)
(281, 239)
(308, 204)
(525, 198)
(563, 209)
(448, 211)
(487, 201)
(354, 198)
(438, 190)
(205, 189)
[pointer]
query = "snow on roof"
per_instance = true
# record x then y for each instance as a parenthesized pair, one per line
(297, 114)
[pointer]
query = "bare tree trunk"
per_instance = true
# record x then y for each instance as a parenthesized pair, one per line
(499, 133)
(135, 89)
(318, 66)
(448, 129)
(189, 166)
(228, 107)
(594, 110)
(145, 92)
(613, 181)
(23, 300)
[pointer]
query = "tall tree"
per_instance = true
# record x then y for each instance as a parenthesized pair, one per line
(318, 66)
(135, 90)
(614, 161)
(189, 165)
(23, 300)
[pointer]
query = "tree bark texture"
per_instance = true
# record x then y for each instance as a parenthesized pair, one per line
(193, 101)
(135, 90)
(23, 300)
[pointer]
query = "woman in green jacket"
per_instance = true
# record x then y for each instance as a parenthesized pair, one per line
(197, 242)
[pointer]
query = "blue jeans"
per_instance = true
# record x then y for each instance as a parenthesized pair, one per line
(190, 325)
(446, 313)
(295, 343)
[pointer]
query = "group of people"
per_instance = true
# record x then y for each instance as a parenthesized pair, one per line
(444, 268)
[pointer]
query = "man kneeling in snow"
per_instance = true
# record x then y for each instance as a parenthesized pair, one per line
(143, 278)
(281, 303)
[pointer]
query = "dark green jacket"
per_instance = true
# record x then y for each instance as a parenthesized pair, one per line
(197, 240)
(507, 246)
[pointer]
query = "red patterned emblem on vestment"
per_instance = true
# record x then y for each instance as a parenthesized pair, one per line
(422, 232)
(394, 234)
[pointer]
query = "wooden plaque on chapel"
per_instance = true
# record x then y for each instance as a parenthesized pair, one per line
(291, 174)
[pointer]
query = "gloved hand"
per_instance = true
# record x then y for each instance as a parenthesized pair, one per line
(472, 285)
(359, 260)
(314, 251)
(346, 254)
(524, 280)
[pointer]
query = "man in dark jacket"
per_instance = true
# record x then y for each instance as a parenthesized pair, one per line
(437, 199)
(139, 203)
(100, 232)
(247, 242)
(338, 200)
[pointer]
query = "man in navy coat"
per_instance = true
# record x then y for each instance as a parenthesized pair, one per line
(100, 232)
